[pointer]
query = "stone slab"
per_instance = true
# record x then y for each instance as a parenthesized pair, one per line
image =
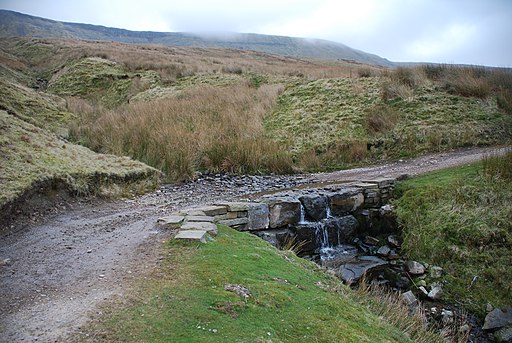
(212, 210)
(258, 215)
(199, 219)
(234, 222)
(192, 235)
(172, 221)
(211, 228)
(235, 206)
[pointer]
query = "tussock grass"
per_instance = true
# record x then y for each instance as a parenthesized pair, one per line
(461, 220)
(292, 300)
(206, 128)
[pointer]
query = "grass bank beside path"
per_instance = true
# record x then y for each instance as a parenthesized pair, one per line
(461, 220)
(291, 300)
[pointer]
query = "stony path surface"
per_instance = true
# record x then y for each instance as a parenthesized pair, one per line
(55, 270)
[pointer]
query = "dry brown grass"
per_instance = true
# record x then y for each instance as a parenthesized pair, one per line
(381, 118)
(175, 62)
(217, 129)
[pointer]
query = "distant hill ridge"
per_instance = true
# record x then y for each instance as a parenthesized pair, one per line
(18, 24)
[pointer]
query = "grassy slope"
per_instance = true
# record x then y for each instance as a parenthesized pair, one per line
(189, 304)
(34, 154)
(30, 155)
(324, 115)
(461, 220)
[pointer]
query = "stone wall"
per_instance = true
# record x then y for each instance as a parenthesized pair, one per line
(290, 216)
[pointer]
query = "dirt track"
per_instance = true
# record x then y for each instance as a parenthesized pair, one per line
(54, 273)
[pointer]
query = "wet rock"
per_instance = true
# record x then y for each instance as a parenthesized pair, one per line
(498, 318)
(315, 207)
(414, 268)
(305, 234)
(352, 272)
(334, 257)
(344, 227)
(283, 212)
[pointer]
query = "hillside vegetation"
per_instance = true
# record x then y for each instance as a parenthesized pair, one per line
(461, 219)
(184, 110)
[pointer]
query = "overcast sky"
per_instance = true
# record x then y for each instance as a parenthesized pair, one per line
(449, 31)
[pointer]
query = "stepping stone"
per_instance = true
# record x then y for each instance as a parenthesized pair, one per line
(173, 221)
(200, 219)
(234, 222)
(212, 210)
(192, 235)
(235, 206)
(211, 228)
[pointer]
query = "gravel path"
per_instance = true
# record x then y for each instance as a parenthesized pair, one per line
(55, 270)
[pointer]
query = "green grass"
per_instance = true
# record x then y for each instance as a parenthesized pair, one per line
(460, 219)
(292, 300)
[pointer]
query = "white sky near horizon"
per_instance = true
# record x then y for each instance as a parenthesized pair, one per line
(449, 31)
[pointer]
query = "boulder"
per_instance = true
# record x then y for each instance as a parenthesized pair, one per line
(258, 216)
(315, 207)
(283, 212)
(498, 318)
(346, 201)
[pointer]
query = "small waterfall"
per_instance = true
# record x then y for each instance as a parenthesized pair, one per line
(302, 214)
(328, 212)
(322, 236)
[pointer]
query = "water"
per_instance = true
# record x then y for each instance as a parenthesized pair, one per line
(338, 251)
(302, 215)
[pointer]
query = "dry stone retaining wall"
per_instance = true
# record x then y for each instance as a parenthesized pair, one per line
(284, 215)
